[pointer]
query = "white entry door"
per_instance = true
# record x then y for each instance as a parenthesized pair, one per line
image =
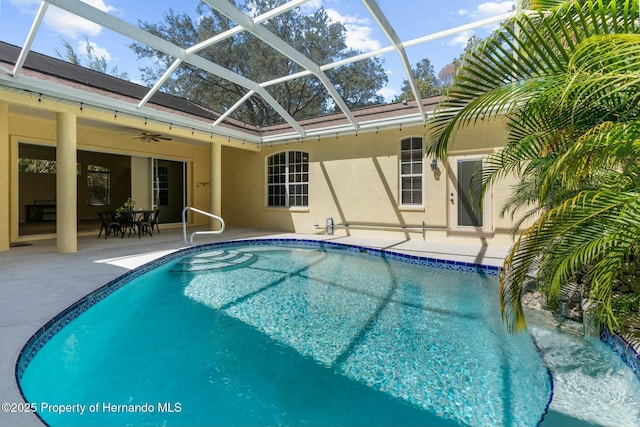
(468, 213)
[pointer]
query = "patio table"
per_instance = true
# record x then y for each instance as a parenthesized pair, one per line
(136, 220)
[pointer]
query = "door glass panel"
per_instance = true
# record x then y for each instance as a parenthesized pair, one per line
(169, 189)
(469, 211)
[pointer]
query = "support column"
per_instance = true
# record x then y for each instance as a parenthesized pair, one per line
(5, 181)
(66, 184)
(216, 182)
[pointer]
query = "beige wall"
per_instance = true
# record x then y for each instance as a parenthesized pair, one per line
(140, 182)
(92, 143)
(355, 179)
(5, 181)
(487, 137)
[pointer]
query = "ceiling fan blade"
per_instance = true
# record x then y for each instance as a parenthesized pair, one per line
(147, 136)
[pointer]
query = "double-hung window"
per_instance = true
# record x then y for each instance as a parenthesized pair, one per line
(411, 159)
(288, 179)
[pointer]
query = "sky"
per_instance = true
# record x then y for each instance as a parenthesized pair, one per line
(410, 19)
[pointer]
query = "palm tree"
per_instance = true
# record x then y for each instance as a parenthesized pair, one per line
(566, 76)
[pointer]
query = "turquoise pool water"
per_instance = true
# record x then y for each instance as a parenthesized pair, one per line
(268, 335)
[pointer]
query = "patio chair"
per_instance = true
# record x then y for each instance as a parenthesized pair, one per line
(154, 220)
(128, 222)
(144, 224)
(109, 224)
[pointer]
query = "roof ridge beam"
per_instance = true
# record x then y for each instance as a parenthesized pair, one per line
(232, 12)
(30, 37)
(214, 40)
(459, 29)
(391, 34)
(390, 48)
(106, 20)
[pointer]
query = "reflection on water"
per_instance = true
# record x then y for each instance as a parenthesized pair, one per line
(592, 386)
(266, 336)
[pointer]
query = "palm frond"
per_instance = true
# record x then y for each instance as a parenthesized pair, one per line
(526, 49)
(566, 77)
(595, 229)
(542, 4)
(608, 151)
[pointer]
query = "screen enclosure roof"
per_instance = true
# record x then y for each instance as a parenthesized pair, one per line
(22, 69)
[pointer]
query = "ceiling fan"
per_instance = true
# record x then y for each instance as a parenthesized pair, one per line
(149, 137)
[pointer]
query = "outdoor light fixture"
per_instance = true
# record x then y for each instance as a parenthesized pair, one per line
(434, 165)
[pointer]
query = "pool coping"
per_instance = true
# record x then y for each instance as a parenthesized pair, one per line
(53, 326)
(37, 341)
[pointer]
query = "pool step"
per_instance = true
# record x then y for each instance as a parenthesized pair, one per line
(208, 258)
(214, 260)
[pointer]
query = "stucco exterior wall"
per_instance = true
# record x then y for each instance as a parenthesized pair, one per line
(352, 178)
(355, 179)
(40, 129)
(5, 173)
(486, 137)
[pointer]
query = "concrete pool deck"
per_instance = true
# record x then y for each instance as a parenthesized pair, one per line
(37, 283)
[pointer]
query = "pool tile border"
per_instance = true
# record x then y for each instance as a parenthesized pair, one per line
(550, 377)
(53, 326)
(623, 349)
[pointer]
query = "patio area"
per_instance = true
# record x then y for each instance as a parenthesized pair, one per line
(37, 283)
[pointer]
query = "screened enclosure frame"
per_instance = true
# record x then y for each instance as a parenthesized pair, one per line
(416, 114)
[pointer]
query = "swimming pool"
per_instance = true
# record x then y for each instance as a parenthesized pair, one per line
(289, 333)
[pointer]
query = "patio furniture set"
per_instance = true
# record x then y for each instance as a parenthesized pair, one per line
(141, 222)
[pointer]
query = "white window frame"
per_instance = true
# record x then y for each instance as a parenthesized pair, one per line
(289, 176)
(412, 174)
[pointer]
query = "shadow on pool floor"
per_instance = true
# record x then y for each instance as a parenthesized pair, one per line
(557, 419)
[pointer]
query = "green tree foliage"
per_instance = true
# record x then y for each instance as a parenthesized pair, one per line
(314, 35)
(566, 80)
(91, 60)
(425, 79)
(37, 166)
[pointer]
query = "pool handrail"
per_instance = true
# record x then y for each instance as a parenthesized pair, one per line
(184, 224)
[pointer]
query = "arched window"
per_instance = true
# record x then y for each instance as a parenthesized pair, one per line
(288, 179)
(411, 171)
